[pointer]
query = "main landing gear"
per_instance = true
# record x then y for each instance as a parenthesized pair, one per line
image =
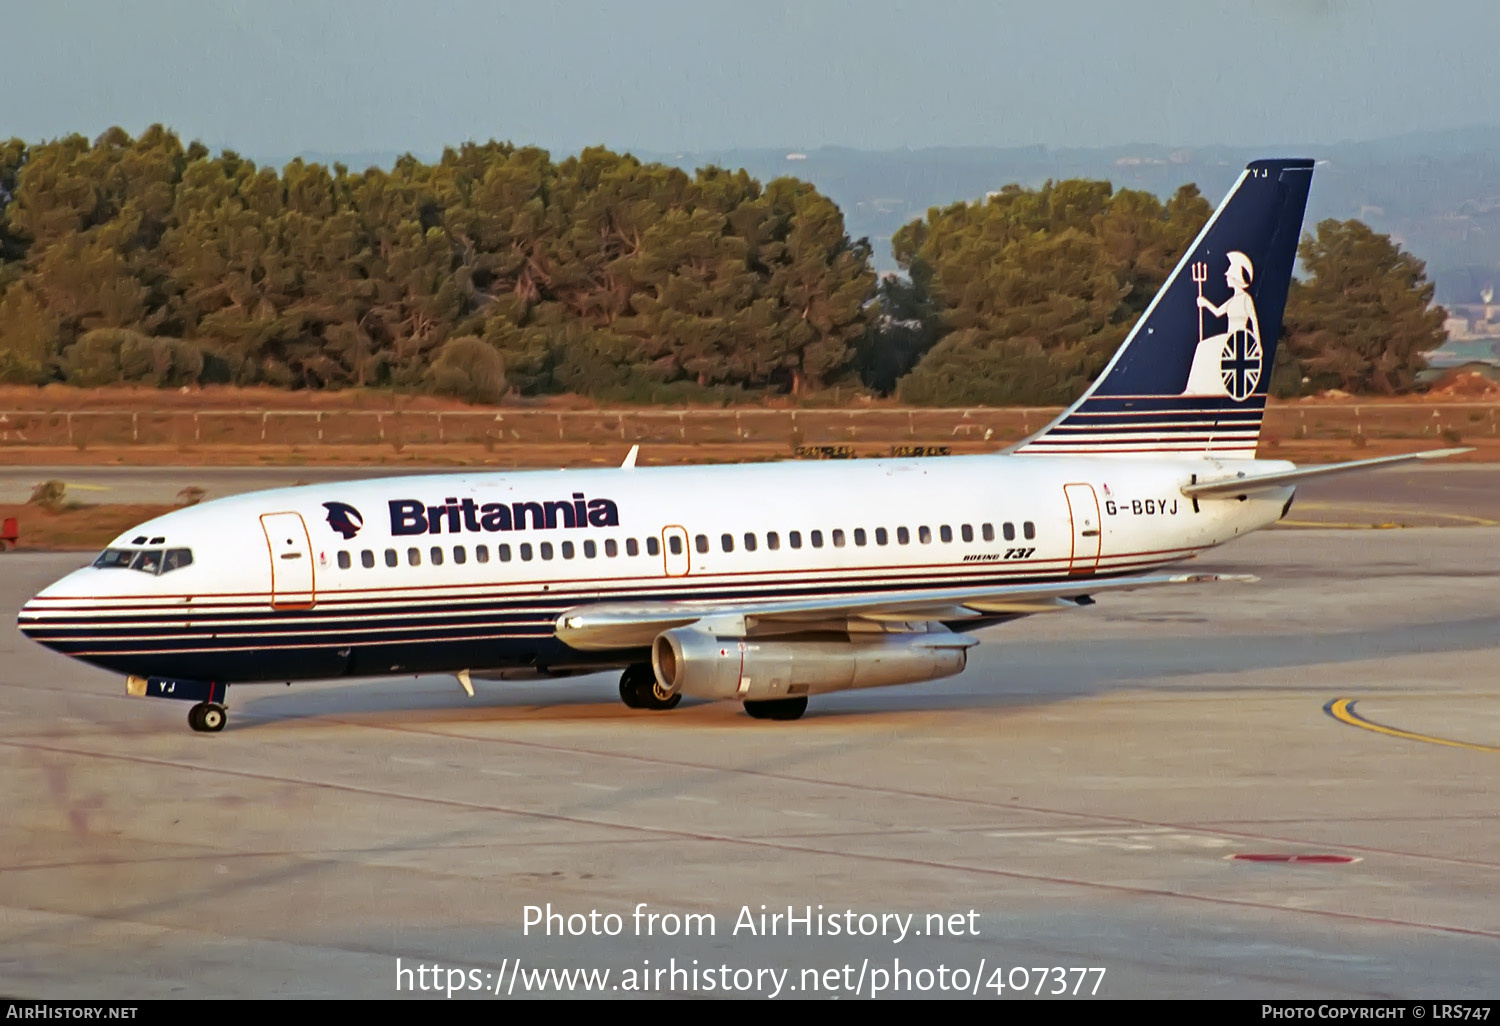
(207, 717)
(777, 708)
(639, 689)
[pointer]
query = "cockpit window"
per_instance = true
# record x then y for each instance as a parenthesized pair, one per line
(147, 561)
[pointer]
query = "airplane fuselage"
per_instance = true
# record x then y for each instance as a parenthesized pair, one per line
(442, 573)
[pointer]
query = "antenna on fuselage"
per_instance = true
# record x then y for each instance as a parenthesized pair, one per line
(629, 463)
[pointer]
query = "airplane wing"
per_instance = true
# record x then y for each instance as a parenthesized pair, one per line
(1244, 484)
(607, 626)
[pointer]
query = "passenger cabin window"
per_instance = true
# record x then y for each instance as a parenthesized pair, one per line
(773, 540)
(859, 536)
(816, 537)
(610, 548)
(749, 542)
(653, 547)
(675, 544)
(966, 532)
(795, 537)
(437, 555)
(700, 542)
(567, 550)
(590, 550)
(546, 548)
(503, 551)
(1010, 532)
(1029, 530)
(632, 547)
(414, 557)
(945, 533)
(903, 536)
(989, 532)
(390, 557)
(526, 552)
(924, 535)
(882, 536)
(367, 559)
(482, 553)
(459, 555)
(728, 542)
(838, 538)
(344, 561)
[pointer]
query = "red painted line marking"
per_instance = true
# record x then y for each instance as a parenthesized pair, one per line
(1321, 860)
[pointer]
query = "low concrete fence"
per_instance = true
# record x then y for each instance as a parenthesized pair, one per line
(110, 428)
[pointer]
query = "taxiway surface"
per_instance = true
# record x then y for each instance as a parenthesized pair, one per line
(1082, 787)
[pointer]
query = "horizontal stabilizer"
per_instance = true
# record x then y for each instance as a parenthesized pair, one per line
(1245, 484)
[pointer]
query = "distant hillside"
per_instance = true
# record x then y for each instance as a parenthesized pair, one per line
(1438, 194)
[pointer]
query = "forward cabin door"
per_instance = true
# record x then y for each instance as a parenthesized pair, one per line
(674, 551)
(1083, 508)
(292, 585)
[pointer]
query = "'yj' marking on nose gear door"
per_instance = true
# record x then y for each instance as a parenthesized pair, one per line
(292, 585)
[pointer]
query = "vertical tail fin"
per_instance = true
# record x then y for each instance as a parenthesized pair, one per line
(1192, 375)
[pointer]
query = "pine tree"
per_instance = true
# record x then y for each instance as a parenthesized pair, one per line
(1362, 320)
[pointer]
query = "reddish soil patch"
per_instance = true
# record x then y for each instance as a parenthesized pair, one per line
(77, 527)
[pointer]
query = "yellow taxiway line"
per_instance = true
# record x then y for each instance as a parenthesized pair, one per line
(1342, 709)
(1385, 512)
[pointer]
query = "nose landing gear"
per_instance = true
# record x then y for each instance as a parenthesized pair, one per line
(207, 717)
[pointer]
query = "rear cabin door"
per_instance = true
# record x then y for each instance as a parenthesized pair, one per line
(292, 585)
(1083, 508)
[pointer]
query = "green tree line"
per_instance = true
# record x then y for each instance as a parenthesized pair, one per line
(1025, 297)
(144, 260)
(496, 269)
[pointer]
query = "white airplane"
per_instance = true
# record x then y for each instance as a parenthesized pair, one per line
(763, 583)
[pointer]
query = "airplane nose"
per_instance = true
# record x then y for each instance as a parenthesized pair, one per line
(46, 617)
(26, 618)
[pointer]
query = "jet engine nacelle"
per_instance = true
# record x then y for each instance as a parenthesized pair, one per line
(698, 664)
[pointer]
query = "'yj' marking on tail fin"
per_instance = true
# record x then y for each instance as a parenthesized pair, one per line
(1170, 388)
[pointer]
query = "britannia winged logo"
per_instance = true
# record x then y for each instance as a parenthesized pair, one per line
(344, 518)
(1229, 363)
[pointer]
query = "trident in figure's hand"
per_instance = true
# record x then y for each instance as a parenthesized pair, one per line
(1200, 275)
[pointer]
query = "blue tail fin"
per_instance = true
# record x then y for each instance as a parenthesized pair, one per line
(1192, 375)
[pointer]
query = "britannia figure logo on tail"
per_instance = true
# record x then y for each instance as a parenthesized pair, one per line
(1227, 364)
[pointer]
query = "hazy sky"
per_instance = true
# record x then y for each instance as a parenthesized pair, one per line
(272, 78)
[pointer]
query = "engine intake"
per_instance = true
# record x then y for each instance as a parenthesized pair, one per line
(696, 663)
